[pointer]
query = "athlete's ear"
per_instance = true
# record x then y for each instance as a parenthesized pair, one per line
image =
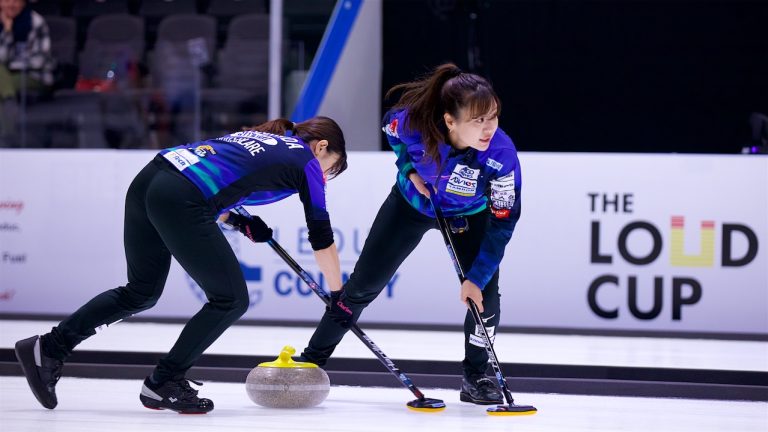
(319, 147)
(450, 122)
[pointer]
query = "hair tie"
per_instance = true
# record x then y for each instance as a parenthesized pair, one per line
(291, 131)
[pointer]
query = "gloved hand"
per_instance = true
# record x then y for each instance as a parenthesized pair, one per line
(252, 227)
(339, 309)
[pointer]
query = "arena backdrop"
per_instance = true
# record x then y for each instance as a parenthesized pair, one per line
(668, 243)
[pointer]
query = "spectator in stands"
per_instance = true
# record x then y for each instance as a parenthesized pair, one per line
(25, 56)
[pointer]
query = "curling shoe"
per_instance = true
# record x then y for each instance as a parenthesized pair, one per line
(479, 389)
(42, 372)
(175, 395)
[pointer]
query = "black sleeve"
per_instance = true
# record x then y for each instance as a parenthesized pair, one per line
(312, 195)
(320, 234)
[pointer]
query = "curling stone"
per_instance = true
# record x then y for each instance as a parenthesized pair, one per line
(285, 383)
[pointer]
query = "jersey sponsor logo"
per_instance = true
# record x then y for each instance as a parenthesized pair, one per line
(500, 214)
(463, 181)
(203, 150)
(494, 164)
(181, 158)
(391, 129)
(503, 195)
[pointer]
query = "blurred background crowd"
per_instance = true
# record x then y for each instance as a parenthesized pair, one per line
(130, 74)
(687, 76)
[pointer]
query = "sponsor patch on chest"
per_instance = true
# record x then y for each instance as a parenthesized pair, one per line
(494, 164)
(463, 181)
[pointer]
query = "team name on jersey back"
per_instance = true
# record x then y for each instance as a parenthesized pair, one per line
(255, 141)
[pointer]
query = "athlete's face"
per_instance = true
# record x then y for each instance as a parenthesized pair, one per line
(476, 132)
(327, 159)
(10, 9)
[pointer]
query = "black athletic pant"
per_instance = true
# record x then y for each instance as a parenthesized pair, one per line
(165, 214)
(396, 231)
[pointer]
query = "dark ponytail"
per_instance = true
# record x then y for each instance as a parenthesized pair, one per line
(446, 90)
(316, 128)
(278, 126)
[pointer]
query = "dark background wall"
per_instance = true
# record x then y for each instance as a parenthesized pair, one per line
(600, 75)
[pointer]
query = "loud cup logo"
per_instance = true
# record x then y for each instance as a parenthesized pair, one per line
(667, 236)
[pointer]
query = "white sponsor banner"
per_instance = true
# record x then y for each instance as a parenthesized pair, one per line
(673, 243)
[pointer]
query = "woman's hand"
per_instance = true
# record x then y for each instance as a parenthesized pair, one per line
(472, 291)
(417, 181)
(252, 227)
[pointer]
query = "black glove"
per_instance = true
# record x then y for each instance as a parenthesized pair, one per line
(252, 227)
(339, 309)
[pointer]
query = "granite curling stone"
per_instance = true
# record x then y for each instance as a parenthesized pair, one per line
(285, 383)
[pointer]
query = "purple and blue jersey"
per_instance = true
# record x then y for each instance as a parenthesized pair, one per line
(467, 182)
(254, 168)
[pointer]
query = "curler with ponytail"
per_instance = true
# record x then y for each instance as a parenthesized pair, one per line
(446, 90)
(277, 126)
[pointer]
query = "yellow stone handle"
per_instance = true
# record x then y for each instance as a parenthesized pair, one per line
(284, 360)
(286, 353)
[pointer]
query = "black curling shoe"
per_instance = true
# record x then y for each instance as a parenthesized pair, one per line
(479, 389)
(174, 395)
(42, 372)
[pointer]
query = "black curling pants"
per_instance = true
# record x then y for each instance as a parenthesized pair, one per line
(396, 231)
(165, 214)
